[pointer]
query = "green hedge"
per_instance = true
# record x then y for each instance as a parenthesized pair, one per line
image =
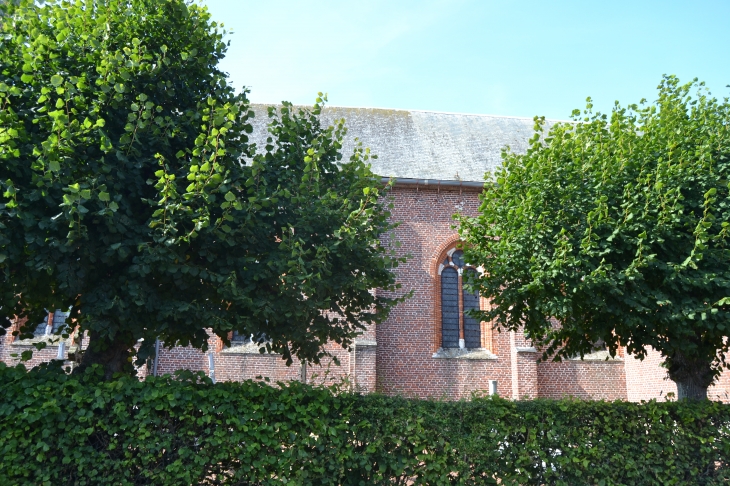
(60, 429)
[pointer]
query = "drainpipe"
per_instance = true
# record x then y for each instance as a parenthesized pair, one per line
(157, 357)
(211, 366)
(354, 366)
(303, 374)
(49, 322)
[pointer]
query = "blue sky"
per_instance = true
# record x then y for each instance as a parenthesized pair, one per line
(516, 58)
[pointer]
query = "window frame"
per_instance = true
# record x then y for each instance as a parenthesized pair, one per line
(486, 335)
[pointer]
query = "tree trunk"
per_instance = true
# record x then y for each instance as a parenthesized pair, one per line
(692, 376)
(114, 355)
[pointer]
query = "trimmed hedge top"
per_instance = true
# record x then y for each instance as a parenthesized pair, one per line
(61, 429)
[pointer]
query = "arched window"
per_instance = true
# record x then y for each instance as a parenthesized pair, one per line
(450, 328)
(238, 338)
(458, 330)
(52, 323)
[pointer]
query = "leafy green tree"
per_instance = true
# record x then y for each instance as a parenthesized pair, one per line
(617, 228)
(131, 191)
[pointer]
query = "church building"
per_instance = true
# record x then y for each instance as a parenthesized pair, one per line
(427, 347)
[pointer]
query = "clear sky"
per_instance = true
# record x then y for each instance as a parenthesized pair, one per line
(509, 57)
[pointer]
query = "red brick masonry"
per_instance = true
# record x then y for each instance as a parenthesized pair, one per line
(399, 357)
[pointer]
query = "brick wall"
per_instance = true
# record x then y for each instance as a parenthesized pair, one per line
(647, 379)
(365, 376)
(9, 346)
(181, 358)
(397, 356)
(239, 363)
(408, 339)
(582, 379)
(11, 350)
(720, 390)
(523, 361)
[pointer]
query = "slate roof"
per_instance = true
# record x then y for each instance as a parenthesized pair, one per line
(423, 144)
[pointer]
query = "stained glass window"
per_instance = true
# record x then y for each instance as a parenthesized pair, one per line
(472, 327)
(458, 258)
(450, 308)
(453, 309)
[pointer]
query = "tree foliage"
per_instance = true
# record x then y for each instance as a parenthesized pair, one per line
(131, 191)
(617, 228)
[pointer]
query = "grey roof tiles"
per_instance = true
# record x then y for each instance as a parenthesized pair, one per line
(423, 144)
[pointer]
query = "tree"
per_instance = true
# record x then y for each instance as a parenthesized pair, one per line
(131, 192)
(617, 229)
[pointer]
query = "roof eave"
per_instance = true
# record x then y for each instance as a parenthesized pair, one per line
(434, 183)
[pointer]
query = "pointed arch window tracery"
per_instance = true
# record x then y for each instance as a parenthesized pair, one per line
(457, 328)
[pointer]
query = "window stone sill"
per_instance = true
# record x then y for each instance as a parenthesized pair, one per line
(597, 356)
(248, 348)
(253, 348)
(50, 341)
(362, 343)
(525, 349)
(464, 353)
